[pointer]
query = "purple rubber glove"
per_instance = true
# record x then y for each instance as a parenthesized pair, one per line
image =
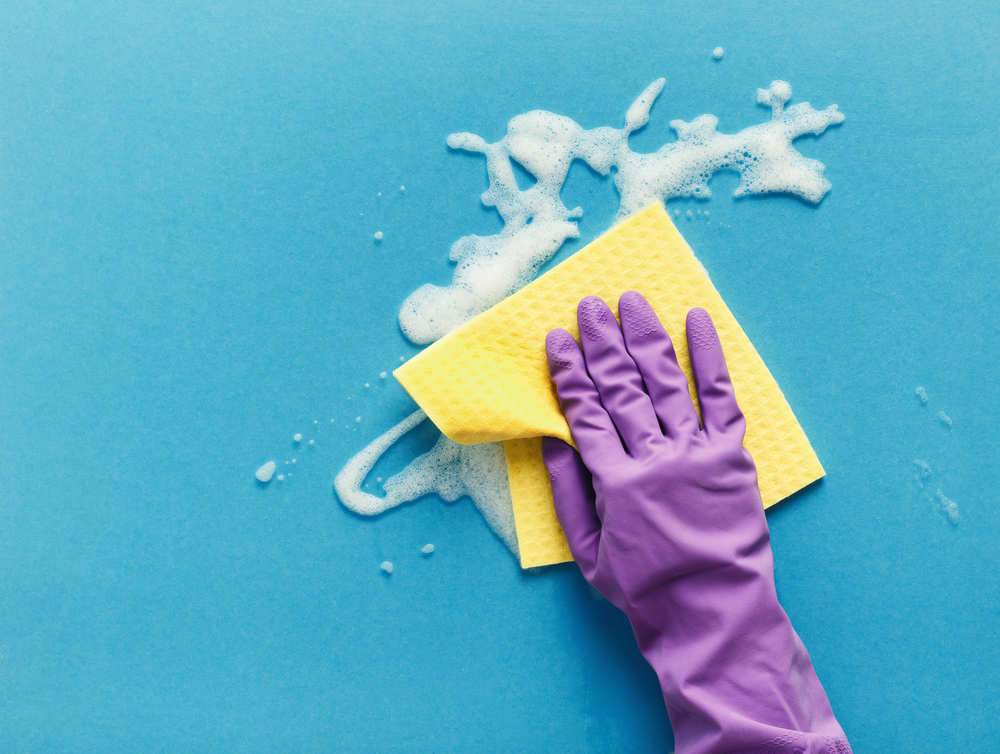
(664, 517)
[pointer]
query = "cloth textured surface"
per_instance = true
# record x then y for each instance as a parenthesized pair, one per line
(488, 380)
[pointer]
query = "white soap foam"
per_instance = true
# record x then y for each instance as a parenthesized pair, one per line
(537, 223)
(265, 472)
(427, 549)
(297, 437)
(944, 418)
(281, 477)
(386, 566)
(312, 442)
(379, 236)
(383, 375)
(718, 52)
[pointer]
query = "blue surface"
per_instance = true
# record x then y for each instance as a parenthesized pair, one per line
(187, 203)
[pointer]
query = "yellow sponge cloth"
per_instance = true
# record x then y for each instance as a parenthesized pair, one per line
(488, 380)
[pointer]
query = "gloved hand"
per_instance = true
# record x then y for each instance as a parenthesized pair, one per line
(664, 517)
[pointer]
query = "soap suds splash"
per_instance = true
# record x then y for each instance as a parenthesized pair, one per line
(448, 470)
(537, 223)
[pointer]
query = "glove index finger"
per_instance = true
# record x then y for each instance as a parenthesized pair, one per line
(593, 431)
(720, 413)
(575, 502)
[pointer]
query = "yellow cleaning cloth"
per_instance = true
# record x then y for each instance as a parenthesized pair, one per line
(488, 380)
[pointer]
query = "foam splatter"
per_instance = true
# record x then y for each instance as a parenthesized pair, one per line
(537, 223)
(922, 394)
(718, 52)
(427, 549)
(386, 566)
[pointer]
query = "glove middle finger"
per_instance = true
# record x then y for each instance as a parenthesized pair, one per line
(616, 376)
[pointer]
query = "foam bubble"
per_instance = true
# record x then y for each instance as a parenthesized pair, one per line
(312, 442)
(950, 507)
(383, 375)
(265, 472)
(281, 477)
(944, 418)
(297, 437)
(386, 566)
(378, 236)
(718, 52)
(922, 394)
(427, 549)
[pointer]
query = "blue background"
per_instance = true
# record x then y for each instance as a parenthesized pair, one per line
(188, 195)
